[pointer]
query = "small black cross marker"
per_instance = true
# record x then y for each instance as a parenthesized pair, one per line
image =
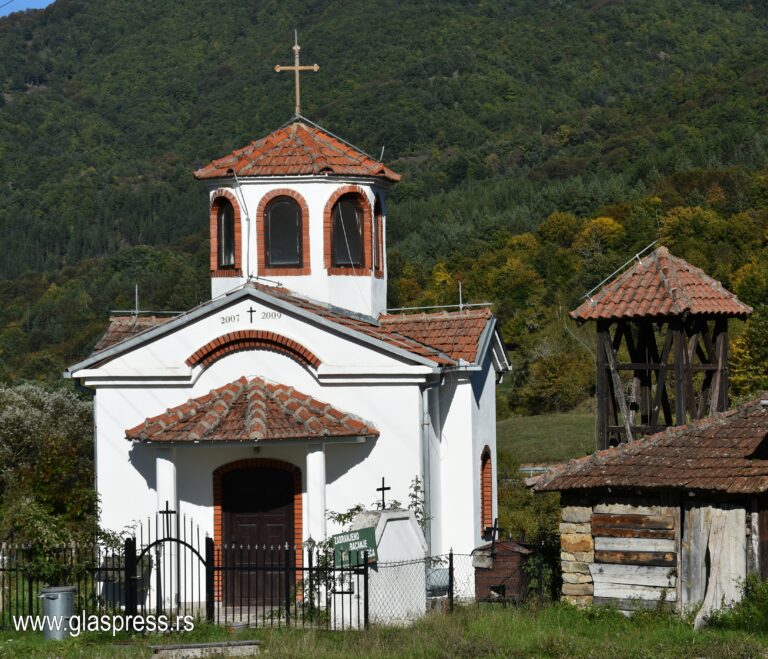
(251, 311)
(495, 532)
(383, 489)
(167, 518)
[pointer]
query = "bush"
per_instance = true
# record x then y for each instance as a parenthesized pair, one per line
(750, 614)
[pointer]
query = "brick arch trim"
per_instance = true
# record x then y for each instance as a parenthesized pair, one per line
(218, 501)
(237, 270)
(378, 236)
(362, 198)
(233, 342)
(486, 490)
(261, 234)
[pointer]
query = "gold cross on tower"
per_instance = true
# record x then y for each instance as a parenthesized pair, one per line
(296, 68)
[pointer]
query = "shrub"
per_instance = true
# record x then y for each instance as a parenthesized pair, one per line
(750, 614)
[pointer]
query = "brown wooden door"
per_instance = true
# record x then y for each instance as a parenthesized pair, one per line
(257, 509)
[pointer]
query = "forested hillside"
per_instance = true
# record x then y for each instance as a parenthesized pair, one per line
(542, 144)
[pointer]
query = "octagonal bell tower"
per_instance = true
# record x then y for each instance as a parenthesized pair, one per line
(303, 208)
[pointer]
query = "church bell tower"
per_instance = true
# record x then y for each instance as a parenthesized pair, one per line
(303, 208)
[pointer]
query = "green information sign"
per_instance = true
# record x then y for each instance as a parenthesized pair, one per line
(348, 547)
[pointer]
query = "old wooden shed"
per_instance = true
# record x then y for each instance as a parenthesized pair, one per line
(678, 517)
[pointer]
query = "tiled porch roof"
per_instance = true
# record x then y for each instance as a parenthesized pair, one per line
(250, 410)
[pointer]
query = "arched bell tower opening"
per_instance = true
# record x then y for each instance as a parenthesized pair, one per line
(662, 347)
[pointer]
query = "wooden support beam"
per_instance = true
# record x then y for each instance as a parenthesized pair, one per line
(661, 399)
(678, 343)
(601, 441)
(721, 351)
(618, 391)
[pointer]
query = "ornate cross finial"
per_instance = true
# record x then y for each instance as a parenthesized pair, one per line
(296, 68)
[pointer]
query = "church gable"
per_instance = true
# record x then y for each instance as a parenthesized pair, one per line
(255, 317)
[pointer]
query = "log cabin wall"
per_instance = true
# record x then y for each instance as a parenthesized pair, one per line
(622, 552)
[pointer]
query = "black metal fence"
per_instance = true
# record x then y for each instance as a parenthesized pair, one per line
(176, 572)
(96, 571)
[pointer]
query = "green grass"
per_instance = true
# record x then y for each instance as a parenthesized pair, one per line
(547, 437)
(475, 631)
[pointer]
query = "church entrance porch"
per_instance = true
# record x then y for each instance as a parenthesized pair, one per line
(257, 516)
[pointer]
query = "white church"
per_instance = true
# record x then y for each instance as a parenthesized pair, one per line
(293, 392)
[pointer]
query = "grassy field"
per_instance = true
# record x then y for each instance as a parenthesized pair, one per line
(552, 631)
(547, 437)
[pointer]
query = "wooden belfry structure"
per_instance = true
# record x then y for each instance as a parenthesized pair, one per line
(662, 347)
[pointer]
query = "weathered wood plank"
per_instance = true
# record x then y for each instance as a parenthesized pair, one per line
(633, 521)
(623, 591)
(630, 605)
(640, 575)
(639, 507)
(636, 558)
(618, 532)
(633, 544)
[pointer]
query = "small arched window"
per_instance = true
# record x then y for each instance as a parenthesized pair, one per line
(486, 491)
(225, 233)
(282, 233)
(378, 242)
(347, 234)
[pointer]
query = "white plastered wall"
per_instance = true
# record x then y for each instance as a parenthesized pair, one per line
(468, 424)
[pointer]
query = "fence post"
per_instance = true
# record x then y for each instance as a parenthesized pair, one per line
(450, 580)
(129, 577)
(30, 594)
(209, 594)
(365, 589)
(311, 585)
(287, 570)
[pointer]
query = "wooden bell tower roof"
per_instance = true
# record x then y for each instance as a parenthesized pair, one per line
(657, 286)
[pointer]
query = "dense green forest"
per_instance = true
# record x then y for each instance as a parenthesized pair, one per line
(542, 143)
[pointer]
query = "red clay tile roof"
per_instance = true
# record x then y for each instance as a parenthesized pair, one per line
(457, 333)
(724, 453)
(661, 285)
(122, 328)
(443, 337)
(368, 327)
(294, 150)
(249, 410)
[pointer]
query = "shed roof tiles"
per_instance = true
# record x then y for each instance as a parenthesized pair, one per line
(725, 453)
(298, 149)
(250, 410)
(659, 285)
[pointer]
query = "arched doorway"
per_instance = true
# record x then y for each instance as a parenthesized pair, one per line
(257, 511)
